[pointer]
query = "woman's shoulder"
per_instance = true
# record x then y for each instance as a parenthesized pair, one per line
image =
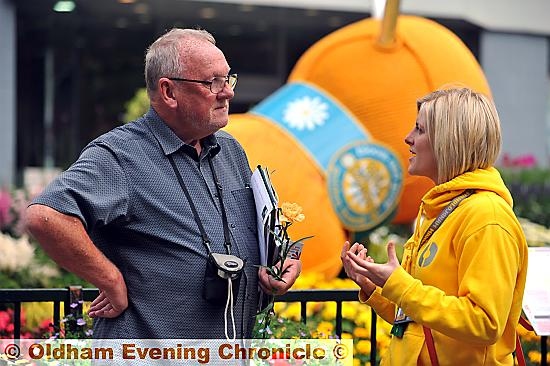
(487, 208)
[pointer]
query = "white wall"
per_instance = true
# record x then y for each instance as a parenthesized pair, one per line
(516, 67)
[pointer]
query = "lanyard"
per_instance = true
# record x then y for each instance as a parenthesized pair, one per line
(206, 241)
(401, 320)
(444, 214)
(433, 227)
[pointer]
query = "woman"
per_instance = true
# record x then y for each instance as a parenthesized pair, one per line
(464, 284)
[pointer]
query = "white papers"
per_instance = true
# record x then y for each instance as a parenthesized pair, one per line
(536, 299)
(266, 212)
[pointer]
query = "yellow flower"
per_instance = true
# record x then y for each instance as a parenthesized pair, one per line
(308, 280)
(527, 335)
(325, 328)
(349, 310)
(534, 356)
(329, 311)
(361, 332)
(347, 336)
(358, 362)
(363, 347)
(291, 311)
(364, 316)
(291, 212)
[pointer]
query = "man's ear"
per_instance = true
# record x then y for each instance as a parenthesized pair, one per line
(166, 90)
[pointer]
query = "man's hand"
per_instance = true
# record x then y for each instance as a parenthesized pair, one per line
(110, 303)
(272, 286)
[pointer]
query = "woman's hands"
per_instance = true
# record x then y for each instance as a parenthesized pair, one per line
(360, 251)
(363, 270)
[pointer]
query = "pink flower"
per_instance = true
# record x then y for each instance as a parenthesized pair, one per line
(5, 319)
(521, 161)
(5, 208)
(525, 161)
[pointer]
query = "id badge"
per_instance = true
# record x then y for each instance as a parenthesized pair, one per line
(400, 323)
(401, 317)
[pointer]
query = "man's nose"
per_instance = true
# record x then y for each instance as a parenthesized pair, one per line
(227, 92)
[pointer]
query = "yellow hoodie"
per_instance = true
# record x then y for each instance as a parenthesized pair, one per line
(466, 283)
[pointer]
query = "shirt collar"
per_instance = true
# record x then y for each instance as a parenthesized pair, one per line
(170, 142)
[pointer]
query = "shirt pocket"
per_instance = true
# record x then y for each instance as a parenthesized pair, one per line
(243, 224)
(244, 209)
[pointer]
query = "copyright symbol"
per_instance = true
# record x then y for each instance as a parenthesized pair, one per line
(12, 351)
(340, 351)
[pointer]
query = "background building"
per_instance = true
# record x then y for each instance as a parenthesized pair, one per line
(66, 73)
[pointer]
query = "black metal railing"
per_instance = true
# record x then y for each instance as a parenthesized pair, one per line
(76, 294)
(72, 295)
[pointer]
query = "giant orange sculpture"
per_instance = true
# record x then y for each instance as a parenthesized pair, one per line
(333, 135)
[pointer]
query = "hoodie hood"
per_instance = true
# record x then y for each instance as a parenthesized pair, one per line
(437, 198)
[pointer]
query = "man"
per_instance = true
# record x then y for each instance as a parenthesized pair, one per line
(120, 218)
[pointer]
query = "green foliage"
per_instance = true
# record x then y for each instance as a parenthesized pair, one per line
(137, 106)
(530, 189)
(74, 327)
(268, 326)
(377, 239)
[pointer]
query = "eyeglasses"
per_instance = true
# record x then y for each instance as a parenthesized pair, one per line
(217, 84)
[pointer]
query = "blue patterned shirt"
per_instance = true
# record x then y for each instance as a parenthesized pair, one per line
(126, 194)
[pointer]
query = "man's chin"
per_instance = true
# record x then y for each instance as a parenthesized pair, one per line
(222, 124)
(218, 125)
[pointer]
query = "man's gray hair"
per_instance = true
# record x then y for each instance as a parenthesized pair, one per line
(163, 57)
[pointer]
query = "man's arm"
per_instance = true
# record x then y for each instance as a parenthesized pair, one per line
(65, 240)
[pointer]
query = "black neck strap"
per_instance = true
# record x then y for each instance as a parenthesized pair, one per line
(444, 214)
(206, 241)
(226, 235)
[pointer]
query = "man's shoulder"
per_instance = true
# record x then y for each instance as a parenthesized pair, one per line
(122, 135)
(231, 150)
(224, 135)
(227, 140)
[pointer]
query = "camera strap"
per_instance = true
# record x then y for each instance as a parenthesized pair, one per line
(206, 241)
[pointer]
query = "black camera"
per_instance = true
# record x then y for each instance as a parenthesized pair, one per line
(219, 269)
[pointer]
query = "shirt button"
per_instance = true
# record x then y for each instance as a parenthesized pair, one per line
(232, 226)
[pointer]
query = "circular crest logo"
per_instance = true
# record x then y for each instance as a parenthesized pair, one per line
(365, 181)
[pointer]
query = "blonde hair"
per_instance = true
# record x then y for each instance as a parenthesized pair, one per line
(163, 57)
(463, 128)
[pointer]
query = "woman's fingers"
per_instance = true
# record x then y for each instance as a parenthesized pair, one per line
(345, 248)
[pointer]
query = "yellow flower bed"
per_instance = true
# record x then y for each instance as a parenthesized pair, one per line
(321, 317)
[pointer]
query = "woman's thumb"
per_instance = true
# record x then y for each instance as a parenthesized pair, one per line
(392, 256)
